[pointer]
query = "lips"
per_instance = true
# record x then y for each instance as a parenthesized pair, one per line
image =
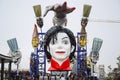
(60, 52)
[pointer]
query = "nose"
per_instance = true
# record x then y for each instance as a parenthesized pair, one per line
(59, 46)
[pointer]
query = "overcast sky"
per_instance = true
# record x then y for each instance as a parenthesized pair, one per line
(17, 20)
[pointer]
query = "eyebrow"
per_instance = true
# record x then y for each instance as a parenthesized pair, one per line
(64, 37)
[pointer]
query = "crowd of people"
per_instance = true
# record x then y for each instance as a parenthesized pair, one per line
(25, 75)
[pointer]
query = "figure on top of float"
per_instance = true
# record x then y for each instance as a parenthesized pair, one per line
(59, 18)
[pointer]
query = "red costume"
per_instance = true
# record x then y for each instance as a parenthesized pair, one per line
(65, 66)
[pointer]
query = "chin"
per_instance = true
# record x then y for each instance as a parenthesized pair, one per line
(61, 59)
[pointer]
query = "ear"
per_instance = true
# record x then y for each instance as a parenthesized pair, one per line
(48, 49)
(72, 48)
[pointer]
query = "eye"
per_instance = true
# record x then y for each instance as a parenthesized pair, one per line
(65, 42)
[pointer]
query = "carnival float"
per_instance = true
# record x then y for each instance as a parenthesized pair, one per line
(58, 45)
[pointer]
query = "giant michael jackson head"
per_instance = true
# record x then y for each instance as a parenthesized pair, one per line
(59, 47)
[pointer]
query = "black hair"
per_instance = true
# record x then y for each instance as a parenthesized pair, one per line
(52, 32)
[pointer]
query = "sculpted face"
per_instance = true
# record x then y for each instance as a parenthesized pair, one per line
(60, 47)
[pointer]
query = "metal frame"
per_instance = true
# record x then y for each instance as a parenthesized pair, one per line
(39, 66)
(81, 58)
